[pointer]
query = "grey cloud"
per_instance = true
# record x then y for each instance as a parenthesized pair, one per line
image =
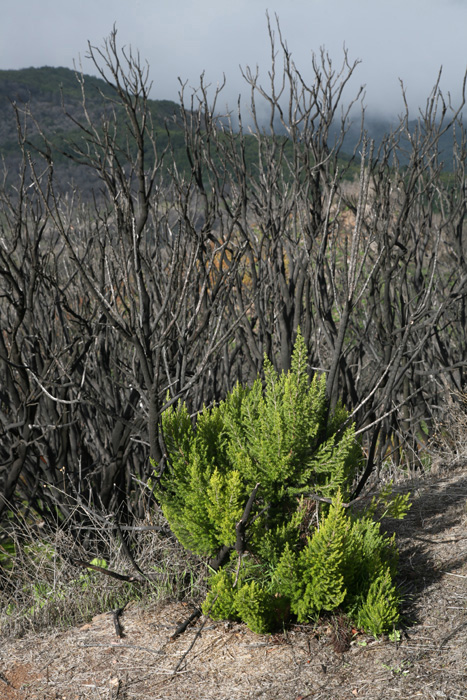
(399, 39)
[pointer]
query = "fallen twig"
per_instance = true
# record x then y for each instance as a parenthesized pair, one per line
(126, 549)
(107, 572)
(116, 614)
(115, 574)
(182, 627)
(121, 646)
(450, 573)
(198, 633)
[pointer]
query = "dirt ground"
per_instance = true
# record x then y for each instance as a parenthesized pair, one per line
(227, 661)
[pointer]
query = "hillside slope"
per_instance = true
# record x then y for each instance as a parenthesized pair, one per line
(51, 98)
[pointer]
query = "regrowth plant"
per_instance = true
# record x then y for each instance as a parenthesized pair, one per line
(259, 484)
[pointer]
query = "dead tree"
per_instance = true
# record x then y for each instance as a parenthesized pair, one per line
(136, 286)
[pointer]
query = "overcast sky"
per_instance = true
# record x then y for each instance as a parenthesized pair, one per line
(408, 39)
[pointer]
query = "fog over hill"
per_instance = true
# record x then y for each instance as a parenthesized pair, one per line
(44, 95)
(401, 40)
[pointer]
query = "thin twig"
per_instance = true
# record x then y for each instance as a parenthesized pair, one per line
(323, 499)
(126, 549)
(182, 627)
(121, 646)
(115, 615)
(198, 634)
(114, 574)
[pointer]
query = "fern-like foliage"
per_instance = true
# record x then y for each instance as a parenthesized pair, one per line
(320, 583)
(380, 610)
(279, 434)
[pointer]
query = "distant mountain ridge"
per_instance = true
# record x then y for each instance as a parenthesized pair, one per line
(47, 90)
(50, 85)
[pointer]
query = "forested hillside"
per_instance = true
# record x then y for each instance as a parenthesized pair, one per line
(50, 100)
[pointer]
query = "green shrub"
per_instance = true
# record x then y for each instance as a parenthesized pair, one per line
(294, 553)
(220, 601)
(255, 607)
(379, 612)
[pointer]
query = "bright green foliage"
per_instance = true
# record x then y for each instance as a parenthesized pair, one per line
(321, 584)
(286, 579)
(388, 505)
(279, 434)
(271, 542)
(367, 553)
(380, 612)
(255, 607)
(220, 601)
(250, 599)
(224, 502)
